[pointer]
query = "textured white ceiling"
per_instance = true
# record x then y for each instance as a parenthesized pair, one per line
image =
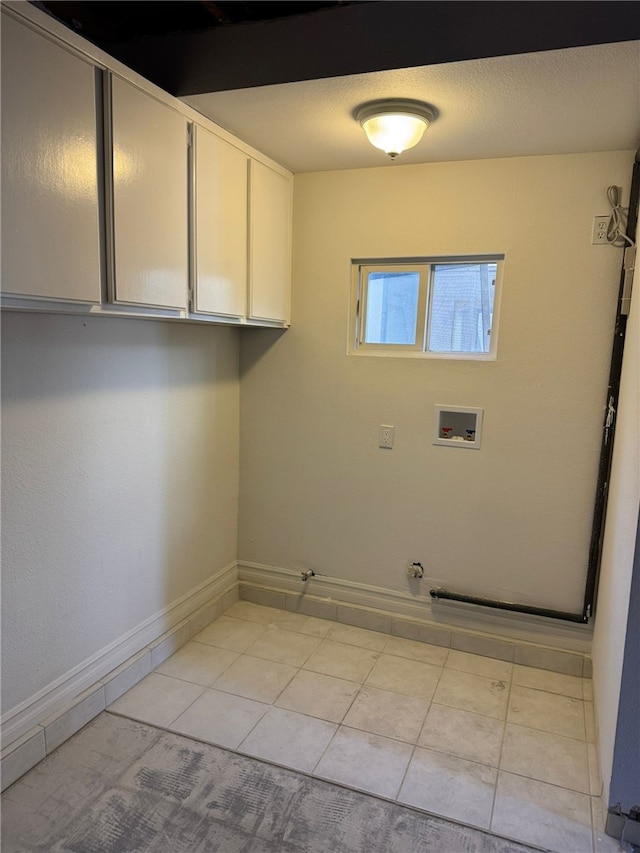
(554, 102)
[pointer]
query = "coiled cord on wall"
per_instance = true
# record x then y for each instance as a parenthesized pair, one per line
(617, 221)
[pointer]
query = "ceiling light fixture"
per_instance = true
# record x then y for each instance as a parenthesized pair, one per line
(395, 124)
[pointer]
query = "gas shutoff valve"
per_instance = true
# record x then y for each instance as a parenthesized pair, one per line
(416, 570)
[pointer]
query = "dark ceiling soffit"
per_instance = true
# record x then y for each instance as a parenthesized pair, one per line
(371, 37)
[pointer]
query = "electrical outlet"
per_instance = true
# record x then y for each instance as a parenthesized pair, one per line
(599, 233)
(386, 435)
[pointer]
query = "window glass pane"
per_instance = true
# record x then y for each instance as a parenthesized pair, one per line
(461, 307)
(392, 308)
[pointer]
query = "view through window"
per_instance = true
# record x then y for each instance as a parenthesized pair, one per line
(438, 307)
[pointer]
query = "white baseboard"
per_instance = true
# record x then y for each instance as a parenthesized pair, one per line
(438, 617)
(59, 693)
(36, 726)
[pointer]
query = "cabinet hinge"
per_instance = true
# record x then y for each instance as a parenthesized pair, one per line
(189, 136)
(628, 268)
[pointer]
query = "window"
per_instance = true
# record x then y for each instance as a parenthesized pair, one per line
(438, 307)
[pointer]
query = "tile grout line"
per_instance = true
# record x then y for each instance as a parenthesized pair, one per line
(353, 701)
(396, 799)
(273, 703)
(342, 785)
(340, 724)
(199, 684)
(517, 643)
(250, 732)
(207, 687)
(362, 684)
(442, 667)
(594, 832)
(542, 782)
(324, 751)
(415, 746)
(547, 732)
(504, 737)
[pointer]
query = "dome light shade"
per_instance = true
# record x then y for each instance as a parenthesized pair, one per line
(393, 125)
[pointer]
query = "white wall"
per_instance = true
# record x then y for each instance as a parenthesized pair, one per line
(120, 481)
(511, 520)
(618, 547)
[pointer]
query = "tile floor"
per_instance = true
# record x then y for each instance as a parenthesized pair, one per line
(120, 786)
(491, 744)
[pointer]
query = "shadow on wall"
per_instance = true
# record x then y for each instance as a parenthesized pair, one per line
(254, 344)
(119, 486)
(64, 354)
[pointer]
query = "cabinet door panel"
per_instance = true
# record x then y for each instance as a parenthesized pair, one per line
(220, 232)
(270, 244)
(50, 221)
(149, 177)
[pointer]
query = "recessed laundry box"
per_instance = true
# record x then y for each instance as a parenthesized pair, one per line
(457, 426)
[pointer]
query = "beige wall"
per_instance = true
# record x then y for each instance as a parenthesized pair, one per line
(120, 437)
(511, 520)
(618, 547)
(119, 482)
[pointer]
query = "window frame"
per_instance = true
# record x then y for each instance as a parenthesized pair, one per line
(360, 270)
(421, 311)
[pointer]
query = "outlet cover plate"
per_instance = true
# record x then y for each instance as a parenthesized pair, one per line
(386, 436)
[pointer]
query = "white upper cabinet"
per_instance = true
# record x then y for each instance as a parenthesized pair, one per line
(147, 170)
(219, 259)
(269, 244)
(104, 208)
(50, 220)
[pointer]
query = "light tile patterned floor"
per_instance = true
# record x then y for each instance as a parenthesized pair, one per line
(488, 743)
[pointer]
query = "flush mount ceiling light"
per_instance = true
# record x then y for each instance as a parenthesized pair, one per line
(395, 124)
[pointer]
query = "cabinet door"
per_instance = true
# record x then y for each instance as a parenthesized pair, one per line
(220, 226)
(148, 169)
(270, 244)
(50, 221)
